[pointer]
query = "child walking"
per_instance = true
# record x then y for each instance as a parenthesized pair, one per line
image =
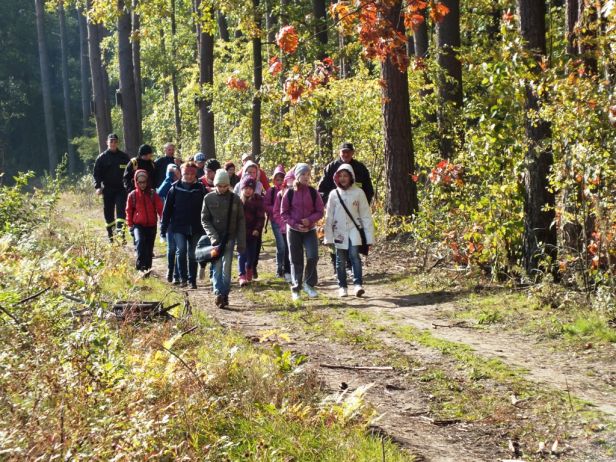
(223, 225)
(287, 183)
(348, 211)
(254, 215)
(301, 208)
(270, 201)
(143, 210)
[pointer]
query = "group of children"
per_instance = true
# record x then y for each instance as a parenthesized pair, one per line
(199, 205)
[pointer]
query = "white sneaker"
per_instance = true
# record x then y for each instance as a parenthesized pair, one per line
(295, 296)
(310, 291)
(288, 278)
(359, 291)
(343, 292)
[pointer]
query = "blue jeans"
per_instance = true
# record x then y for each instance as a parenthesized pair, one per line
(185, 254)
(298, 241)
(342, 255)
(282, 251)
(221, 279)
(144, 241)
(248, 258)
(173, 263)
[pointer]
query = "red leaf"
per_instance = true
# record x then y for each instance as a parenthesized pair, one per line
(275, 65)
(287, 39)
(438, 12)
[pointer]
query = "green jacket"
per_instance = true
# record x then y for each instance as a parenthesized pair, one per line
(214, 218)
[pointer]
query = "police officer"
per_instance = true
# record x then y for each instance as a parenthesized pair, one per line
(108, 172)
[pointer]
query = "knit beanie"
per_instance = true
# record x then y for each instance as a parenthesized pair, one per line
(221, 178)
(301, 168)
(248, 182)
(199, 157)
(289, 176)
(145, 149)
(279, 170)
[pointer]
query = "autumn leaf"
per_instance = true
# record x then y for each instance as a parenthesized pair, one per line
(438, 12)
(293, 88)
(287, 39)
(235, 83)
(507, 16)
(412, 21)
(275, 65)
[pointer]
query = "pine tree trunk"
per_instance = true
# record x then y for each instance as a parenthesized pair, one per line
(323, 129)
(223, 29)
(84, 71)
(450, 82)
(72, 159)
(46, 86)
(100, 90)
(136, 50)
(174, 80)
(206, 77)
(399, 151)
(127, 82)
(571, 18)
(587, 39)
(257, 65)
(539, 230)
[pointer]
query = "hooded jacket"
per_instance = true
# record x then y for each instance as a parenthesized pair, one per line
(143, 207)
(182, 211)
(138, 163)
(303, 207)
(339, 228)
(269, 199)
(260, 189)
(362, 178)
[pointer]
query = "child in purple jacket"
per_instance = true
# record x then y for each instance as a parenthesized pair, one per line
(287, 183)
(270, 200)
(301, 208)
(254, 213)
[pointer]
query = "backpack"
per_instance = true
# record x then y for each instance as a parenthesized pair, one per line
(313, 195)
(135, 196)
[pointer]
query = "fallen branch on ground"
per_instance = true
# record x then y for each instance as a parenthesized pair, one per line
(455, 324)
(357, 368)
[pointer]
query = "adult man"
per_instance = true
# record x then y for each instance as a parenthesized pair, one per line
(161, 163)
(261, 175)
(199, 159)
(143, 161)
(362, 175)
(108, 172)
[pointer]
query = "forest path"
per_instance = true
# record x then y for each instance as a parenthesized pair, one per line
(323, 331)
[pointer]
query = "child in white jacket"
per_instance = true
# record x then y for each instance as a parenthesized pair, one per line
(342, 231)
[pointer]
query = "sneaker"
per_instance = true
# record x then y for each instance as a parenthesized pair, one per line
(169, 276)
(343, 292)
(225, 301)
(176, 282)
(243, 281)
(359, 291)
(287, 278)
(183, 284)
(310, 291)
(193, 285)
(295, 296)
(201, 273)
(220, 300)
(249, 274)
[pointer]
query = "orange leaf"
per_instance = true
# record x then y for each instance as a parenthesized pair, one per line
(287, 39)
(438, 12)
(275, 65)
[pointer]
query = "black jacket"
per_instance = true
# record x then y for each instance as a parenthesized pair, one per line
(160, 167)
(362, 178)
(137, 163)
(182, 211)
(109, 169)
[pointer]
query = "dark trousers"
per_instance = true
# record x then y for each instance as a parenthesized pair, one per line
(114, 208)
(248, 257)
(299, 241)
(144, 241)
(186, 245)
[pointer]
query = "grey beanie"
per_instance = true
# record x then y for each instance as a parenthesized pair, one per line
(221, 178)
(301, 168)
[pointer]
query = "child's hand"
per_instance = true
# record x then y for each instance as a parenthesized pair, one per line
(255, 233)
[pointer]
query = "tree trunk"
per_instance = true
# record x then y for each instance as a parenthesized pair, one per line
(136, 50)
(399, 151)
(66, 91)
(450, 81)
(571, 18)
(587, 39)
(323, 129)
(174, 80)
(128, 100)
(539, 230)
(83, 66)
(100, 91)
(206, 77)
(257, 65)
(45, 86)
(223, 29)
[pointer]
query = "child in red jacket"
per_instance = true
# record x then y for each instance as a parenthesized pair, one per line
(144, 208)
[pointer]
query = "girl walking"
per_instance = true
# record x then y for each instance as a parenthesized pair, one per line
(287, 183)
(143, 209)
(254, 214)
(270, 201)
(301, 208)
(347, 216)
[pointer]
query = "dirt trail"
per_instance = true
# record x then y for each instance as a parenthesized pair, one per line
(401, 404)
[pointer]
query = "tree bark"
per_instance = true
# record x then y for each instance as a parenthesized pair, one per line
(46, 87)
(539, 229)
(399, 151)
(571, 18)
(136, 51)
(84, 72)
(66, 90)
(450, 81)
(127, 82)
(174, 80)
(323, 129)
(587, 39)
(100, 90)
(223, 29)
(257, 65)
(206, 78)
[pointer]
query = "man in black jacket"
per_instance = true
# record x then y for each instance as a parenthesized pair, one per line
(142, 162)
(108, 172)
(362, 175)
(162, 163)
